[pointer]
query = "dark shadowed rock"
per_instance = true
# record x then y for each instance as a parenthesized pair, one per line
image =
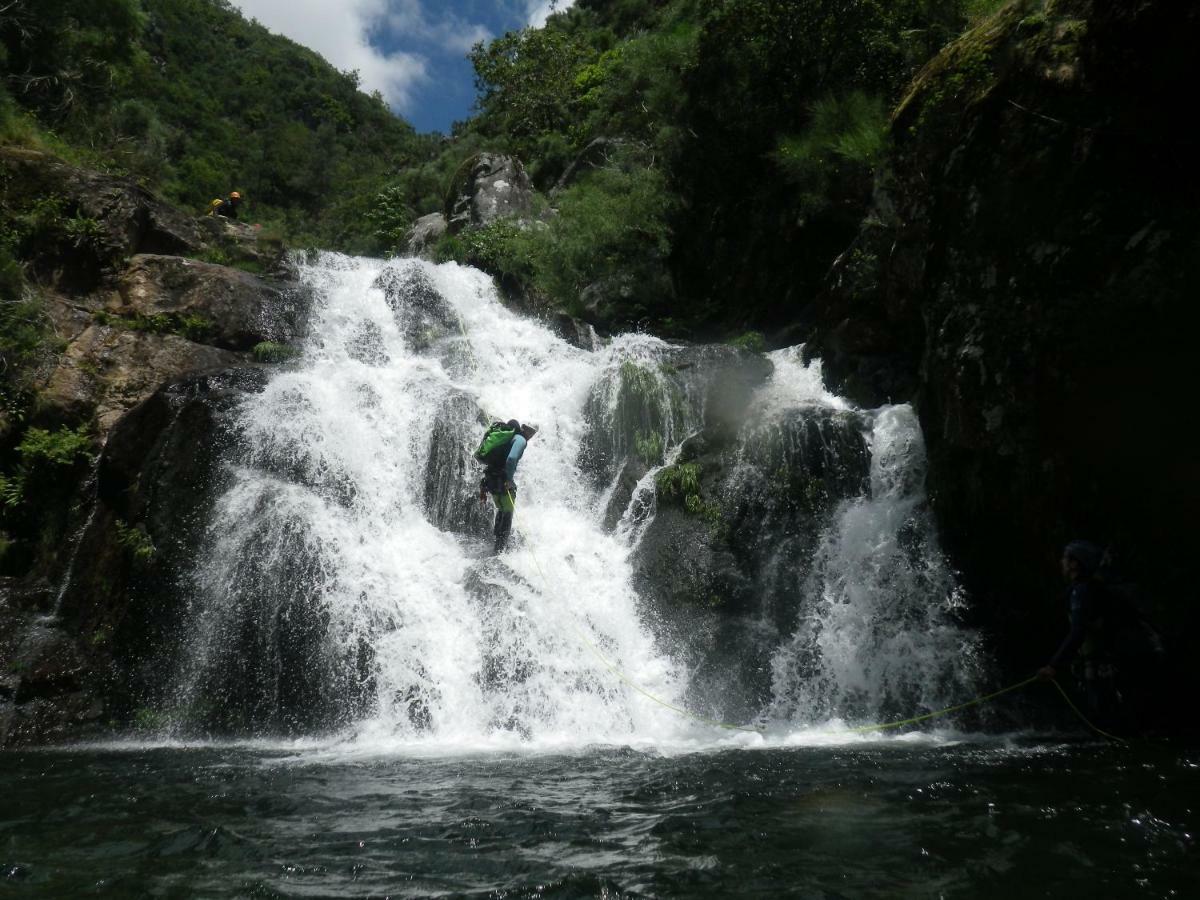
(421, 311)
(1029, 276)
(738, 520)
(108, 648)
(451, 474)
(575, 331)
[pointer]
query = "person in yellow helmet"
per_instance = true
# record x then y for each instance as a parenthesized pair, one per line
(229, 207)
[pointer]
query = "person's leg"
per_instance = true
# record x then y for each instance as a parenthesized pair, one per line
(504, 518)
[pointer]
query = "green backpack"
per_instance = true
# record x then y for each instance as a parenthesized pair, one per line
(493, 449)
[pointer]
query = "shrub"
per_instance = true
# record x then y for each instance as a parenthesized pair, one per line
(63, 447)
(269, 352)
(134, 540)
(751, 340)
(833, 159)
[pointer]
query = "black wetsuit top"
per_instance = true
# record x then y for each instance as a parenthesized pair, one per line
(1084, 610)
(228, 209)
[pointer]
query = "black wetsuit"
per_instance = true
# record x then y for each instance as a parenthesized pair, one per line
(1085, 613)
(228, 208)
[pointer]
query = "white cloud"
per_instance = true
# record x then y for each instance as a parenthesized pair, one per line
(539, 11)
(339, 31)
(408, 19)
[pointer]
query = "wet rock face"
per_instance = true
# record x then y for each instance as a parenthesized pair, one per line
(1027, 273)
(106, 370)
(422, 312)
(496, 187)
(644, 407)
(229, 308)
(451, 474)
(738, 520)
(103, 648)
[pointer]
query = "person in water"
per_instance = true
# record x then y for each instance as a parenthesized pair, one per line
(499, 481)
(1115, 649)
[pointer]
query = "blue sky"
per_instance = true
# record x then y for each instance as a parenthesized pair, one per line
(411, 51)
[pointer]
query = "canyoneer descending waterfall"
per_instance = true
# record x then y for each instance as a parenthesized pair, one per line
(500, 450)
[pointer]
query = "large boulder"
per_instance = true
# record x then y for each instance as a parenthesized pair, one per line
(451, 474)
(244, 246)
(107, 369)
(494, 187)
(643, 406)
(1028, 275)
(225, 307)
(78, 223)
(738, 520)
(425, 233)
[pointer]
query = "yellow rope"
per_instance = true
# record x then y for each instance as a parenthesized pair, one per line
(949, 709)
(1084, 719)
(715, 723)
(882, 726)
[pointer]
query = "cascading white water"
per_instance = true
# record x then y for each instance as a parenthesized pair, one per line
(424, 632)
(349, 581)
(879, 633)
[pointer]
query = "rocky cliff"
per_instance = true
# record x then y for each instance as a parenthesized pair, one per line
(1028, 274)
(112, 431)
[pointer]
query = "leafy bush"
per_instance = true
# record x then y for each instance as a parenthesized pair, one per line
(269, 352)
(135, 541)
(832, 160)
(63, 447)
(23, 324)
(613, 222)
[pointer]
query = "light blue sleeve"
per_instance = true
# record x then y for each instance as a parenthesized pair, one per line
(514, 456)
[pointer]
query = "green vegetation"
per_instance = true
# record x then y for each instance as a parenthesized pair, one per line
(135, 541)
(700, 159)
(751, 340)
(679, 481)
(268, 352)
(681, 484)
(694, 158)
(37, 477)
(194, 101)
(62, 447)
(192, 326)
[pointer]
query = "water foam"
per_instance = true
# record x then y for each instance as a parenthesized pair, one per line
(341, 594)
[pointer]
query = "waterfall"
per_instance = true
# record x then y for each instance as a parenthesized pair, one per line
(349, 575)
(879, 635)
(347, 582)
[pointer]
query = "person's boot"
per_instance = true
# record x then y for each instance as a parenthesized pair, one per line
(502, 530)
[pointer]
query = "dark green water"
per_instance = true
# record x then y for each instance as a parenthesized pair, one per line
(884, 819)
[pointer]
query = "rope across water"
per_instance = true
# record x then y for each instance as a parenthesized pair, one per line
(715, 723)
